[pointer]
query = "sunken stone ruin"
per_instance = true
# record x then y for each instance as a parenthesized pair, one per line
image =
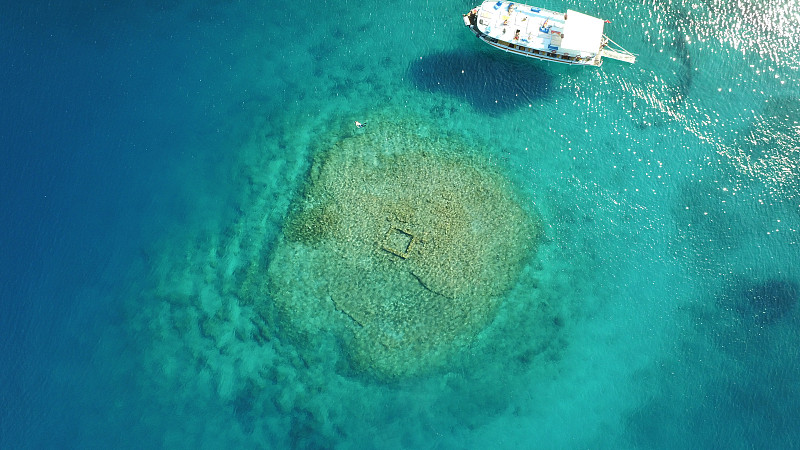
(400, 246)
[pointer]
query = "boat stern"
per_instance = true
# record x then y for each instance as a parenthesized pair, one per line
(471, 18)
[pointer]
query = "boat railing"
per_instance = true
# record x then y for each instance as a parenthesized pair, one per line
(611, 49)
(616, 47)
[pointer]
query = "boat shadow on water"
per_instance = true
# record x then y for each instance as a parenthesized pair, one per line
(492, 84)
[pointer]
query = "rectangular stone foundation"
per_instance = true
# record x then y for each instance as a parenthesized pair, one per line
(398, 242)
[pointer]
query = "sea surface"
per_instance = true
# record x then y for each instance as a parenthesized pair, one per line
(151, 151)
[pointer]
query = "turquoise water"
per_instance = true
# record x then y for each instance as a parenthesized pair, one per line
(151, 154)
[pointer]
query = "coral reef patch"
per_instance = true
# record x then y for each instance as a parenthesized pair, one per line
(401, 246)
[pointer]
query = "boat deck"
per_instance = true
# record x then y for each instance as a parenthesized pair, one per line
(520, 24)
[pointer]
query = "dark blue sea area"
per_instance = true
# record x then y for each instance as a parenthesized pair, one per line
(103, 123)
(155, 291)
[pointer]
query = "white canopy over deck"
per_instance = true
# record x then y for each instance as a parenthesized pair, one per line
(583, 34)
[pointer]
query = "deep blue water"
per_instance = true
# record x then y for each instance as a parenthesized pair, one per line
(97, 109)
(143, 144)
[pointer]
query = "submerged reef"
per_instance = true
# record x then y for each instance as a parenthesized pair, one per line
(400, 246)
(765, 302)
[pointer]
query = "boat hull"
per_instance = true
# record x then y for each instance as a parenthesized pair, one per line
(533, 53)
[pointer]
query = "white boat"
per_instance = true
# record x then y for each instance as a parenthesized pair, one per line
(571, 38)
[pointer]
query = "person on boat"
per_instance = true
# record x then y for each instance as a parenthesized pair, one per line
(360, 125)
